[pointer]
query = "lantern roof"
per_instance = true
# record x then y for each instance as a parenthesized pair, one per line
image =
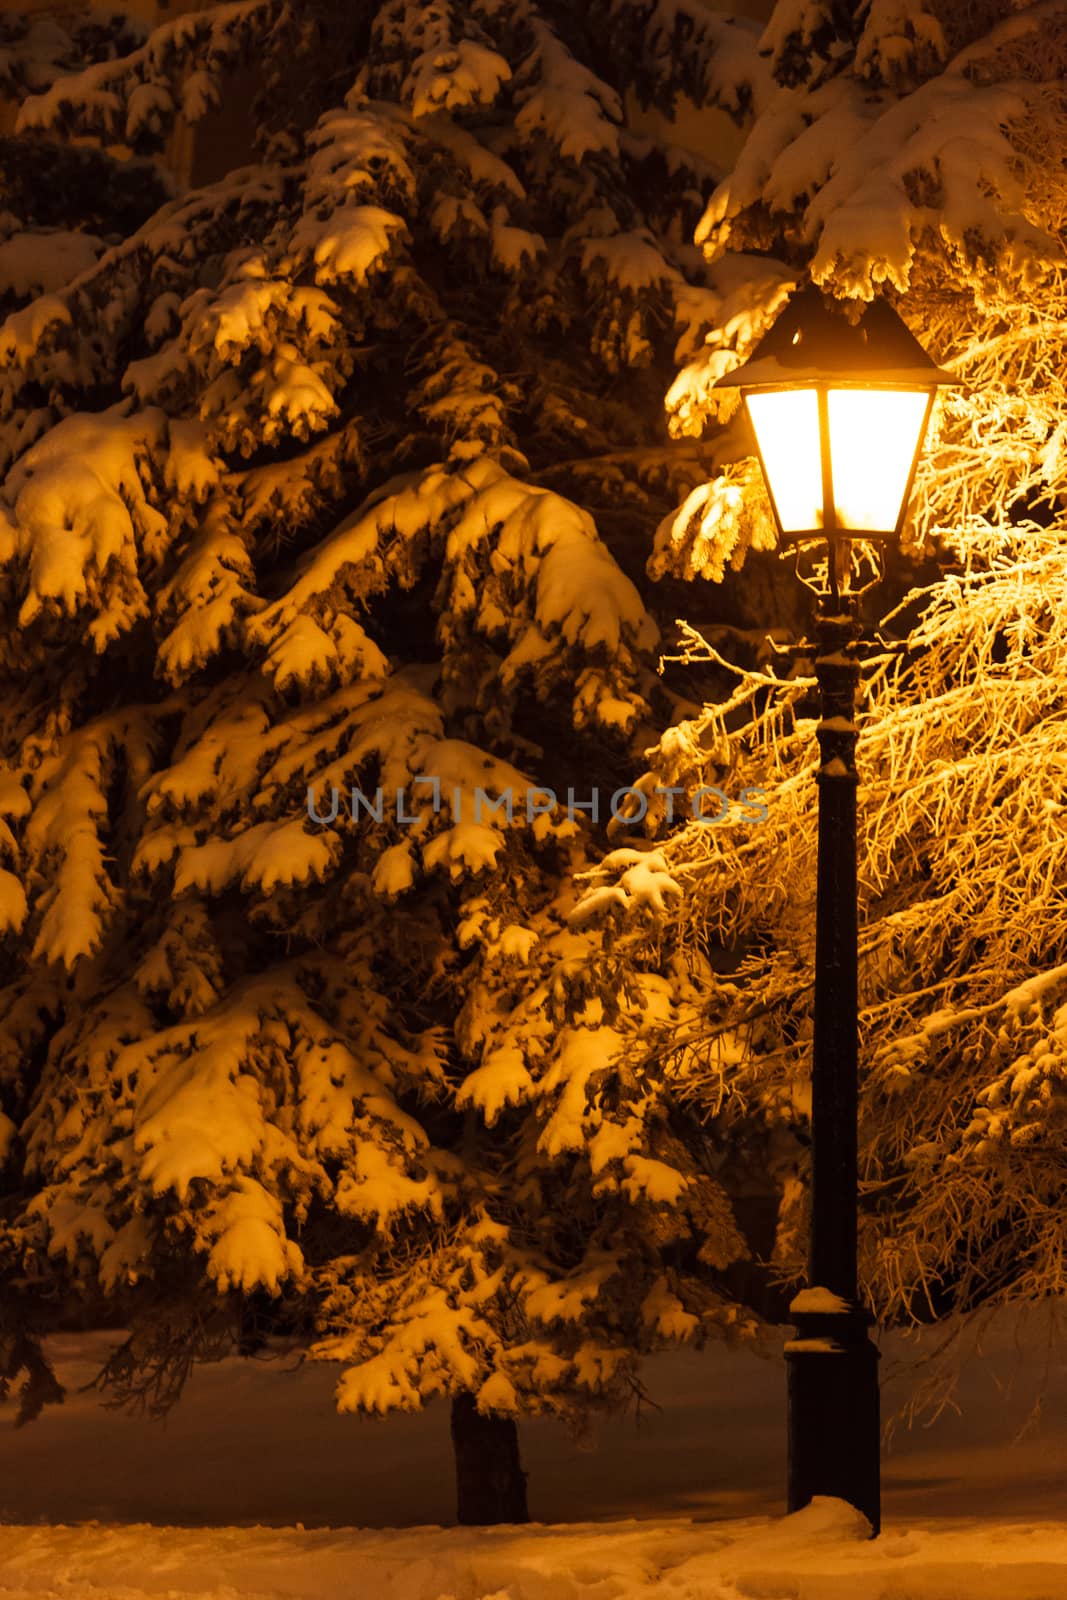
(813, 341)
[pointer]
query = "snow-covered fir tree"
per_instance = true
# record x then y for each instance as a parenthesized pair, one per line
(62, 203)
(312, 480)
(910, 148)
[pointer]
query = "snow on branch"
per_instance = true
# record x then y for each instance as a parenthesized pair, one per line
(868, 183)
(39, 48)
(434, 57)
(85, 523)
(451, 73)
(685, 47)
(203, 1105)
(136, 98)
(74, 895)
(556, 94)
(901, 40)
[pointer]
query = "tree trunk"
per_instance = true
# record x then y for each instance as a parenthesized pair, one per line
(490, 1482)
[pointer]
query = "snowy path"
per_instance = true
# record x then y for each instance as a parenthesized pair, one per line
(820, 1554)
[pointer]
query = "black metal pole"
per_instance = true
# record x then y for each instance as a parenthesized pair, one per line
(832, 1363)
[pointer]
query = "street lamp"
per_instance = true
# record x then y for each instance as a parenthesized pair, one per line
(839, 410)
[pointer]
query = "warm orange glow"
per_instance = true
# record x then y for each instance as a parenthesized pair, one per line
(786, 422)
(874, 435)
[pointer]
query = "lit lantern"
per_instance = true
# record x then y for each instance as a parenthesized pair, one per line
(839, 411)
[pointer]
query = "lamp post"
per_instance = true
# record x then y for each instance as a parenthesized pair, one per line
(839, 411)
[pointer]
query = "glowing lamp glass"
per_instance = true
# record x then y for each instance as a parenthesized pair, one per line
(873, 437)
(786, 424)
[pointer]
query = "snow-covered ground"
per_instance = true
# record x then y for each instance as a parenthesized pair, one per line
(970, 1509)
(821, 1553)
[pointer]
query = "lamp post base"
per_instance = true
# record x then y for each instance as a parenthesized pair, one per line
(834, 1423)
